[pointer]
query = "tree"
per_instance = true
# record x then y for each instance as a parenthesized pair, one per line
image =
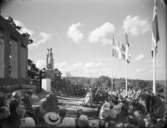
(33, 71)
(57, 74)
(104, 82)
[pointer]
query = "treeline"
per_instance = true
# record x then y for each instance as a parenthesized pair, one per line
(115, 83)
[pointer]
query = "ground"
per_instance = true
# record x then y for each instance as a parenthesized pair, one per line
(72, 104)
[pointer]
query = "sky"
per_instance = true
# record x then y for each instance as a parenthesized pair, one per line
(80, 33)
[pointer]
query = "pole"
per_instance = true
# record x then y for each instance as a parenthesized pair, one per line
(126, 70)
(154, 73)
(126, 79)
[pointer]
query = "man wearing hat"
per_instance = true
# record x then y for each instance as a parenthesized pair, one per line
(52, 118)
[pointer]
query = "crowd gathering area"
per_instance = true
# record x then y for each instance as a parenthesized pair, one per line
(113, 109)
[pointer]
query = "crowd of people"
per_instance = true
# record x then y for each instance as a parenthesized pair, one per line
(115, 109)
(134, 108)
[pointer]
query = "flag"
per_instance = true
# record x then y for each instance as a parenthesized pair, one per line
(155, 30)
(116, 52)
(126, 39)
(125, 48)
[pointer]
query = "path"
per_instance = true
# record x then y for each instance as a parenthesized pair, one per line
(72, 104)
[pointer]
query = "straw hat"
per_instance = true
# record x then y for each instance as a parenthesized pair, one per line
(52, 118)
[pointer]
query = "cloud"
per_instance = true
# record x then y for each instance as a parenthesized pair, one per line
(135, 25)
(92, 65)
(60, 65)
(40, 64)
(23, 29)
(80, 68)
(100, 33)
(42, 38)
(140, 70)
(74, 34)
(139, 57)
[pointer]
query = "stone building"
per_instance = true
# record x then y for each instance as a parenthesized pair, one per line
(13, 54)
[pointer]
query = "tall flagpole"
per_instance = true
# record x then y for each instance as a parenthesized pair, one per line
(126, 69)
(155, 38)
(126, 79)
(126, 63)
(154, 72)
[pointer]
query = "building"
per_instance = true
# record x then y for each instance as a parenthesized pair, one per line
(13, 54)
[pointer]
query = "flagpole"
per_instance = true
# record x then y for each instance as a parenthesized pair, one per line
(126, 79)
(154, 73)
(155, 37)
(126, 69)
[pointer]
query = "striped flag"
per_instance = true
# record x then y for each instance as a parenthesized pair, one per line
(126, 39)
(116, 52)
(155, 31)
(125, 48)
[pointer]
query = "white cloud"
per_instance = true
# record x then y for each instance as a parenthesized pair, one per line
(92, 65)
(100, 33)
(42, 38)
(23, 29)
(135, 25)
(140, 70)
(40, 64)
(106, 41)
(80, 68)
(139, 57)
(74, 34)
(60, 65)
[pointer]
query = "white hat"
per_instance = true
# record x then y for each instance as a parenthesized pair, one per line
(28, 122)
(17, 94)
(52, 118)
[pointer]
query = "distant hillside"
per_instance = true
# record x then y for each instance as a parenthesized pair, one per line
(116, 83)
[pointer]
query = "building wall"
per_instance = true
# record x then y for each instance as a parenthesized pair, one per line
(13, 59)
(2, 43)
(13, 56)
(23, 62)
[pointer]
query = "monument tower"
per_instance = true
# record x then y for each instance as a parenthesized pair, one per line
(49, 60)
(49, 72)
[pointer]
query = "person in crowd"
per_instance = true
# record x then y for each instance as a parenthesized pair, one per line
(83, 122)
(4, 110)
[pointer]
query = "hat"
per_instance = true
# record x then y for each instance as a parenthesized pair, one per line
(17, 94)
(52, 118)
(27, 122)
